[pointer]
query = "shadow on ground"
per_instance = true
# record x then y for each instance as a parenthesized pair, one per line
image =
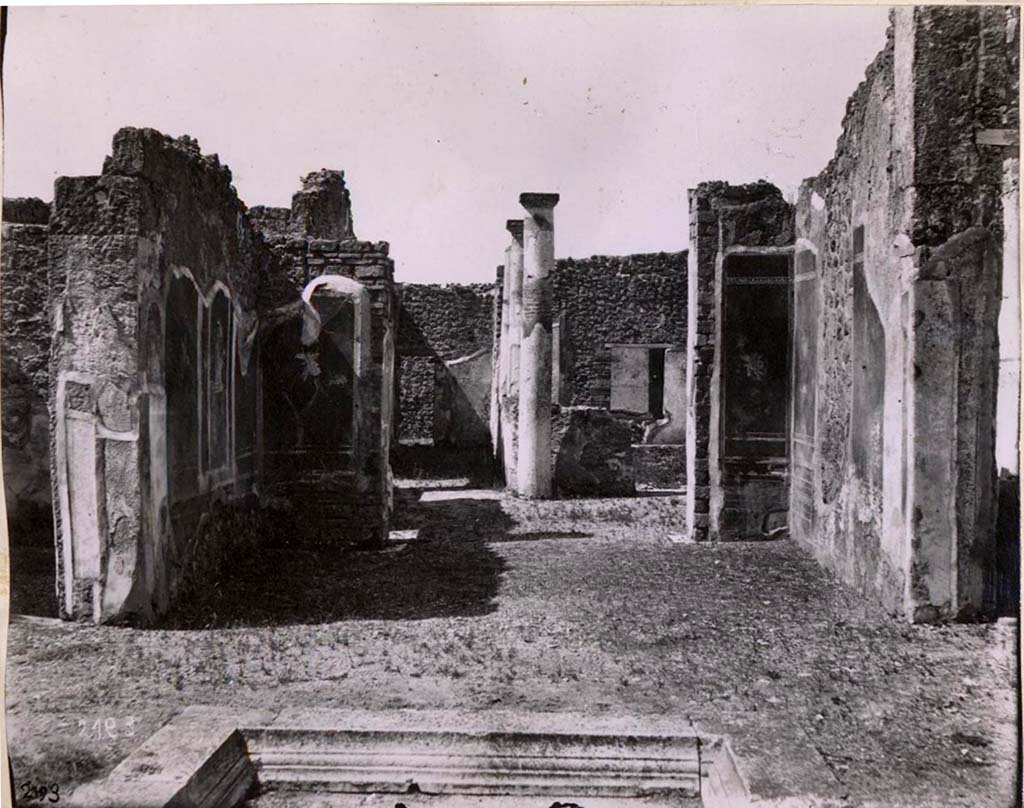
(447, 571)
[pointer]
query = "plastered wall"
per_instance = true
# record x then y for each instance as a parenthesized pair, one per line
(152, 271)
(897, 270)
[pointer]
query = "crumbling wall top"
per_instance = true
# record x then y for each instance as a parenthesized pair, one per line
(635, 264)
(25, 210)
(148, 153)
(323, 208)
(711, 194)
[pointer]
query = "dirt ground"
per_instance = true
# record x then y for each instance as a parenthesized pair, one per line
(583, 605)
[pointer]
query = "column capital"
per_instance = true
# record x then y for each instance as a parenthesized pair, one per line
(536, 201)
(515, 227)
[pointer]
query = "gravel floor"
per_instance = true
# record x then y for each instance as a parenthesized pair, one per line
(584, 605)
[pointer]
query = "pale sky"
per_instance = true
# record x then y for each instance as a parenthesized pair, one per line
(441, 116)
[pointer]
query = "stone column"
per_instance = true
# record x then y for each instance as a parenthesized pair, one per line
(534, 457)
(514, 268)
(501, 370)
(509, 393)
(500, 343)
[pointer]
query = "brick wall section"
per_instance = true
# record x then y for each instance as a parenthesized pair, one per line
(364, 509)
(702, 325)
(369, 264)
(638, 299)
(722, 216)
(25, 320)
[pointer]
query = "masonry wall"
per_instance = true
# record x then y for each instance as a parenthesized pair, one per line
(25, 323)
(603, 302)
(153, 270)
(741, 240)
(606, 300)
(327, 334)
(896, 301)
(446, 354)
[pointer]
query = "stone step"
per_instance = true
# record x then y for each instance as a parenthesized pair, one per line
(474, 763)
(299, 799)
(211, 757)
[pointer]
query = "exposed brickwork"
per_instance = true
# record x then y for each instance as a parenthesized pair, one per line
(360, 505)
(722, 216)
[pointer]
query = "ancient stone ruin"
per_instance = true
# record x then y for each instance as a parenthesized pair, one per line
(896, 294)
(177, 365)
(840, 361)
(202, 364)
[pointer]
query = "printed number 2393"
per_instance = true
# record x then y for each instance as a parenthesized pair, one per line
(39, 792)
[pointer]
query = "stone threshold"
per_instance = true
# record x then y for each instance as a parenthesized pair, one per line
(211, 757)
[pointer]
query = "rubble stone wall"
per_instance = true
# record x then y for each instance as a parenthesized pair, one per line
(25, 323)
(446, 352)
(605, 300)
(639, 300)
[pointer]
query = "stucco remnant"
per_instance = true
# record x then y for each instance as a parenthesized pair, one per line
(897, 295)
(144, 304)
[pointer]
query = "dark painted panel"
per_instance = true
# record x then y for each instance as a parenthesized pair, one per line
(218, 389)
(328, 418)
(245, 405)
(181, 375)
(868, 382)
(755, 360)
(308, 390)
(287, 387)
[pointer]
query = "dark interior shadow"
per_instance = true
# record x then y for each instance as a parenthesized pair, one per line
(1007, 554)
(33, 566)
(464, 425)
(448, 571)
(424, 462)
